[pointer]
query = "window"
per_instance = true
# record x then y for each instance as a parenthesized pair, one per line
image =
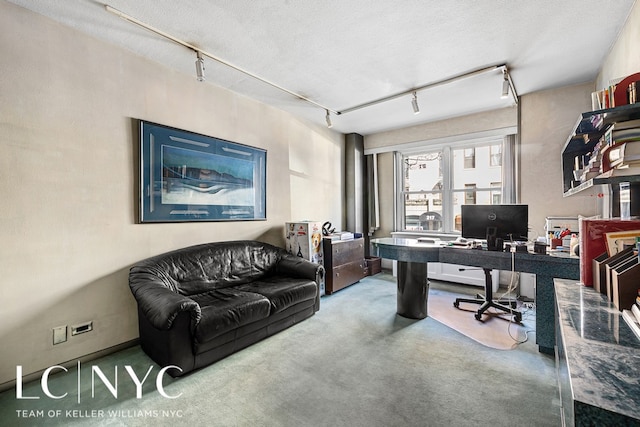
(436, 182)
(469, 158)
(470, 194)
(496, 193)
(495, 155)
(422, 190)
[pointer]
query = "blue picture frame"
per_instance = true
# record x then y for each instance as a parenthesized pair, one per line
(186, 177)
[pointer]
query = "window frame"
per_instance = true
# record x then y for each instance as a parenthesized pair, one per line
(506, 191)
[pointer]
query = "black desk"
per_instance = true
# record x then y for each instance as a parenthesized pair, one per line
(545, 267)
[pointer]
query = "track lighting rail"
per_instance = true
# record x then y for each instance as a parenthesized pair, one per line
(413, 91)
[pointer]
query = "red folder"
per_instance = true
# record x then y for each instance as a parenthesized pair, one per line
(593, 243)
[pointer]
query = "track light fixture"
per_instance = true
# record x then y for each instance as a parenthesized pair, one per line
(199, 66)
(414, 103)
(505, 85)
(327, 117)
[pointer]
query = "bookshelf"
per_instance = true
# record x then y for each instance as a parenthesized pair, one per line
(587, 131)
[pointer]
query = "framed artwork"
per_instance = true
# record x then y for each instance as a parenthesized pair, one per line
(186, 176)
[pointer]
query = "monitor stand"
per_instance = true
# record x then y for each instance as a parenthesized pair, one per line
(494, 243)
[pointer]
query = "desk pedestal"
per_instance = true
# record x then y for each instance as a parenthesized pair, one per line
(413, 289)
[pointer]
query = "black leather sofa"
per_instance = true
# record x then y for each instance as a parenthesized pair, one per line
(199, 304)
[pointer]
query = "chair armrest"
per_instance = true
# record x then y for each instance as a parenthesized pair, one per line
(160, 304)
(292, 265)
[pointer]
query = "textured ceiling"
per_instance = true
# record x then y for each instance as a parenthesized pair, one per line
(342, 53)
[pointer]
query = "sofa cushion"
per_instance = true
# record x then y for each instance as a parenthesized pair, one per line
(282, 292)
(226, 309)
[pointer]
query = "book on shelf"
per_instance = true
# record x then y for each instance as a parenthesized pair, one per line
(597, 121)
(624, 154)
(623, 170)
(603, 99)
(622, 131)
(627, 124)
(624, 135)
(588, 174)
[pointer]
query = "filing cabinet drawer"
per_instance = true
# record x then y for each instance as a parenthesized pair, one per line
(344, 263)
(344, 252)
(345, 275)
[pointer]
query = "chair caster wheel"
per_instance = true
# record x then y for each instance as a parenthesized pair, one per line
(478, 316)
(517, 318)
(456, 304)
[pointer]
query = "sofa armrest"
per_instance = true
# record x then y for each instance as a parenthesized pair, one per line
(161, 305)
(292, 265)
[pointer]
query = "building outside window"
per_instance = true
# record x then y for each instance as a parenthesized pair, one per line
(496, 194)
(470, 194)
(436, 182)
(469, 158)
(495, 155)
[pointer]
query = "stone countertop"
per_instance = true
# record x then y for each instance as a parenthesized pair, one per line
(602, 352)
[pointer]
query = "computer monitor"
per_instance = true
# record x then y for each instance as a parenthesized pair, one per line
(495, 223)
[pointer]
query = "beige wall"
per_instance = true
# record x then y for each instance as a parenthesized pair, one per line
(471, 124)
(68, 109)
(624, 58)
(547, 120)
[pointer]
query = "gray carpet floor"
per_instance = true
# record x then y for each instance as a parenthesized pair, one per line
(354, 363)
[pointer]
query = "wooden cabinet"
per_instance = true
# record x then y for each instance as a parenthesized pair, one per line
(344, 263)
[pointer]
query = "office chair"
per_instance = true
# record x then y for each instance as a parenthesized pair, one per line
(488, 301)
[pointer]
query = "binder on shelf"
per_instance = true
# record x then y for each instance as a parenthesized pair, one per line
(599, 278)
(625, 283)
(618, 260)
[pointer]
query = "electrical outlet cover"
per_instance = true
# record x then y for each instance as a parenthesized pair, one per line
(59, 334)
